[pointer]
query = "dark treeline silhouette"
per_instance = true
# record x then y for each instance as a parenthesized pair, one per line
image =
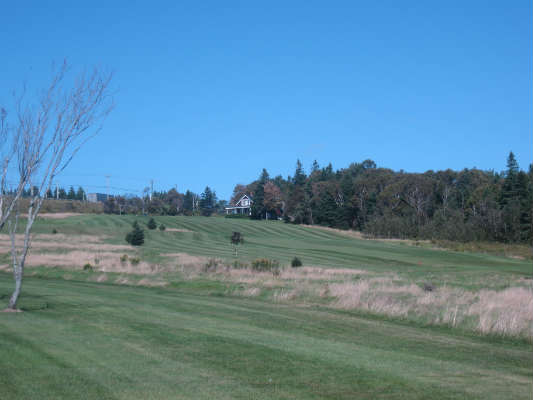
(467, 205)
(56, 193)
(170, 202)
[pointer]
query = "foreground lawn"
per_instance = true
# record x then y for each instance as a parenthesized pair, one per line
(101, 341)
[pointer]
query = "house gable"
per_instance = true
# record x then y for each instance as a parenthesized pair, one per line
(244, 201)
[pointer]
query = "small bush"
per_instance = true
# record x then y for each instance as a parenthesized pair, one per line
(296, 262)
(151, 224)
(54, 231)
(265, 265)
(211, 265)
(428, 287)
(123, 258)
(134, 260)
(87, 267)
(237, 264)
(162, 227)
(136, 236)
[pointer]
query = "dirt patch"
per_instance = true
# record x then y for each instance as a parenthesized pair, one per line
(10, 310)
(57, 215)
(177, 230)
(186, 259)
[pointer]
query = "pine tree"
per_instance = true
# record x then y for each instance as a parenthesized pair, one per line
(80, 194)
(71, 195)
(188, 204)
(208, 201)
(509, 187)
(136, 236)
(151, 224)
(258, 205)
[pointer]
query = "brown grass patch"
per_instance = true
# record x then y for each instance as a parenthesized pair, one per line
(151, 283)
(59, 215)
(62, 241)
(177, 230)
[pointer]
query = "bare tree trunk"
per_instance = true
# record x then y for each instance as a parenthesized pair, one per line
(47, 138)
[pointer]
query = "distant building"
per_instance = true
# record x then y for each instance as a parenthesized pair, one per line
(243, 206)
(96, 197)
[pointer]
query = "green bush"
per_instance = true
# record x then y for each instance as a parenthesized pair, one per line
(123, 258)
(296, 262)
(265, 265)
(87, 267)
(162, 227)
(135, 260)
(54, 231)
(151, 224)
(136, 236)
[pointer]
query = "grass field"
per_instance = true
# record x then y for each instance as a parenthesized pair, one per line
(232, 333)
(101, 341)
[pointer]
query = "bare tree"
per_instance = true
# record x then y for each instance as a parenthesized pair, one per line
(45, 138)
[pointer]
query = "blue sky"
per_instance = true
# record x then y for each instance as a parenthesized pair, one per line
(210, 92)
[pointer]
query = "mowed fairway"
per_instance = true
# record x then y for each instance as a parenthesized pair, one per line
(98, 341)
(274, 239)
(86, 340)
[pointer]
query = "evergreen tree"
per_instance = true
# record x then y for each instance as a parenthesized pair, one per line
(136, 236)
(80, 194)
(188, 203)
(71, 195)
(208, 201)
(258, 205)
(510, 183)
(151, 224)
(327, 210)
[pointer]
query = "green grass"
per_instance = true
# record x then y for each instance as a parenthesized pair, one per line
(100, 341)
(194, 340)
(280, 241)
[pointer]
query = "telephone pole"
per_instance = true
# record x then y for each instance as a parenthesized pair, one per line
(151, 188)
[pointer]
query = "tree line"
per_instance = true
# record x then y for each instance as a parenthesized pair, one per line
(169, 202)
(466, 205)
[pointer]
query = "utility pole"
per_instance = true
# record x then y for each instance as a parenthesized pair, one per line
(151, 188)
(57, 191)
(107, 184)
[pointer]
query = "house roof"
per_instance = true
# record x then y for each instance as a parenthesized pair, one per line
(242, 197)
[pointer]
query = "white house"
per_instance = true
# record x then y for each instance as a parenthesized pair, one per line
(243, 206)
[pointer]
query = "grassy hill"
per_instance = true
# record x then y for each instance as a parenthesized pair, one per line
(366, 329)
(273, 239)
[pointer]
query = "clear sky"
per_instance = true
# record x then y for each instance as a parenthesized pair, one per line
(210, 92)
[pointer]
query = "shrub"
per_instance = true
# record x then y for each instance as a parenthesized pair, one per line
(136, 236)
(162, 227)
(428, 287)
(296, 262)
(87, 267)
(123, 258)
(134, 260)
(237, 264)
(211, 265)
(151, 224)
(265, 265)
(54, 231)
